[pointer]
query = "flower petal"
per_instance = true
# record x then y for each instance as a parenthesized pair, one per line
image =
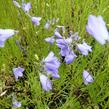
(36, 20)
(26, 7)
(18, 72)
(97, 28)
(87, 77)
(45, 82)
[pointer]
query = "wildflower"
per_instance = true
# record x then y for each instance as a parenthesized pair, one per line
(63, 29)
(64, 45)
(17, 104)
(45, 82)
(16, 4)
(5, 34)
(97, 28)
(26, 7)
(87, 77)
(50, 39)
(84, 48)
(57, 34)
(51, 65)
(36, 20)
(70, 56)
(18, 72)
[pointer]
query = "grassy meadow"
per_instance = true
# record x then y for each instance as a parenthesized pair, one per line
(69, 92)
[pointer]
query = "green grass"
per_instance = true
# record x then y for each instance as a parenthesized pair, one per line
(69, 92)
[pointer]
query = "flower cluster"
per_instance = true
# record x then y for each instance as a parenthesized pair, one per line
(66, 45)
(50, 66)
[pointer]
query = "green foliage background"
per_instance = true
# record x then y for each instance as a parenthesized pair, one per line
(69, 92)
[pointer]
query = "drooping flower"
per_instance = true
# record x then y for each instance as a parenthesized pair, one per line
(64, 45)
(84, 48)
(51, 65)
(45, 82)
(50, 39)
(5, 34)
(57, 34)
(36, 20)
(18, 72)
(97, 28)
(26, 7)
(87, 78)
(70, 56)
(17, 104)
(16, 4)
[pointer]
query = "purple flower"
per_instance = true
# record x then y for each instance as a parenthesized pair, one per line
(36, 20)
(84, 48)
(57, 34)
(51, 65)
(70, 56)
(63, 29)
(17, 104)
(16, 4)
(50, 39)
(45, 82)
(26, 7)
(5, 34)
(64, 45)
(87, 77)
(97, 28)
(18, 72)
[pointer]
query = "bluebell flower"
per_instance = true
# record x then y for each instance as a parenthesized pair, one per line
(84, 48)
(57, 34)
(63, 29)
(18, 72)
(70, 57)
(36, 20)
(26, 7)
(17, 104)
(5, 34)
(87, 78)
(64, 45)
(50, 39)
(46, 83)
(97, 28)
(51, 65)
